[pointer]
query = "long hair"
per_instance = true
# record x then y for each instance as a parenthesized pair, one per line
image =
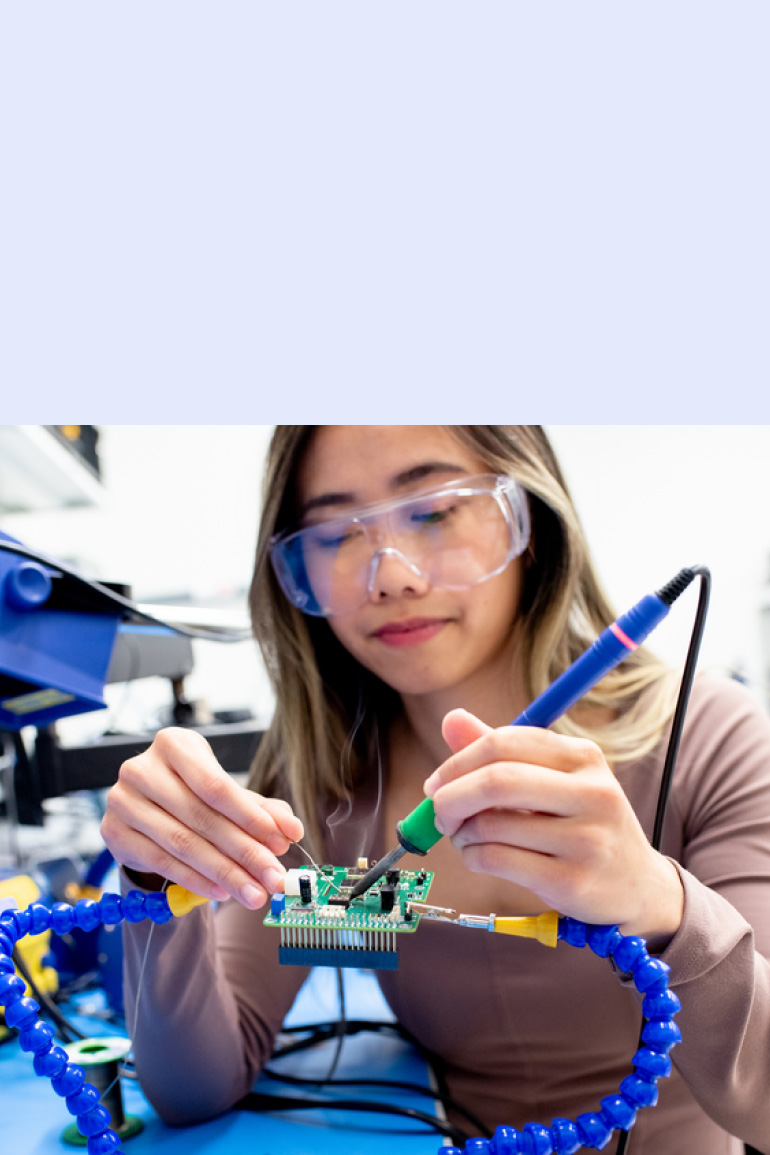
(329, 710)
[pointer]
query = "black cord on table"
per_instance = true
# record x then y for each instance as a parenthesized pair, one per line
(65, 1030)
(317, 1033)
(257, 1101)
(396, 1085)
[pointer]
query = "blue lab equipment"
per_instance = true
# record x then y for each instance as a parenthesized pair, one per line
(53, 661)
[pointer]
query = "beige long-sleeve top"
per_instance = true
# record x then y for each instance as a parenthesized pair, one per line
(526, 1033)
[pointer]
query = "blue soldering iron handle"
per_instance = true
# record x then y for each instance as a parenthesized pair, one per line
(418, 832)
(613, 644)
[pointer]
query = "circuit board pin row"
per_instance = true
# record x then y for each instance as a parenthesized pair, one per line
(321, 938)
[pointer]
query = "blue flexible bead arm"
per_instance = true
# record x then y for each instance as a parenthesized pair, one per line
(564, 1136)
(618, 1111)
(50, 1061)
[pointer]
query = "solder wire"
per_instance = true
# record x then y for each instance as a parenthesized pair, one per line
(139, 985)
(315, 864)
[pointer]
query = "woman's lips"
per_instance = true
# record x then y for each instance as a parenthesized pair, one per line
(411, 632)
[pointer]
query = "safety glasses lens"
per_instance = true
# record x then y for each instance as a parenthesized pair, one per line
(453, 538)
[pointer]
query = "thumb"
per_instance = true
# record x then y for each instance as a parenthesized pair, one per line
(460, 728)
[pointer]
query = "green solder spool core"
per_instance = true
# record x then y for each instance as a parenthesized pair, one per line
(417, 832)
(100, 1059)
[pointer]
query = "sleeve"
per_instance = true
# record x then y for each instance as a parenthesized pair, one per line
(719, 956)
(204, 999)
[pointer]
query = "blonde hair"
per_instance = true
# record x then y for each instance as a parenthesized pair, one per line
(329, 710)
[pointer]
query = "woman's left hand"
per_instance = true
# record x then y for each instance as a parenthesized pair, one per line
(546, 812)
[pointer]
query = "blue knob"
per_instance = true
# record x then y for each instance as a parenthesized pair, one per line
(27, 586)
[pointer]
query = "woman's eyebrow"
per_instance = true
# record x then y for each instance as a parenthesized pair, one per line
(426, 469)
(405, 477)
(326, 500)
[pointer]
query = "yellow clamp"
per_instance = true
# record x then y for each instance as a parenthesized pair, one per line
(182, 901)
(543, 927)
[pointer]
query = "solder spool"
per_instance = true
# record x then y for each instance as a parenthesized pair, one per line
(101, 1058)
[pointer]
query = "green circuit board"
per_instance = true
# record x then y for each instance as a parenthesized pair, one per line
(320, 926)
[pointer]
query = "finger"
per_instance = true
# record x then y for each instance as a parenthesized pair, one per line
(510, 786)
(230, 839)
(134, 850)
(521, 744)
(290, 827)
(173, 796)
(176, 842)
(541, 833)
(147, 856)
(191, 758)
(460, 728)
(541, 873)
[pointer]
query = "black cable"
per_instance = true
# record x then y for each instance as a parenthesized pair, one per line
(395, 1084)
(675, 737)
(340, 1027)
(65, 1030)
(257, 1101)
(685, 687)
(86, 981)
(323, 1032)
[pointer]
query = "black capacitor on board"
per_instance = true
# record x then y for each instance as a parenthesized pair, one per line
(387, 896)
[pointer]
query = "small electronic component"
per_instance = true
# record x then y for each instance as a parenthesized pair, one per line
(387, 898)
(294, 882)
(322, 926)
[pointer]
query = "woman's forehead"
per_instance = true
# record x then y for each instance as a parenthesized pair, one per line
(364, 462)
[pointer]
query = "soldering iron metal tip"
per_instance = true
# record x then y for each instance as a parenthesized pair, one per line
(375, 872)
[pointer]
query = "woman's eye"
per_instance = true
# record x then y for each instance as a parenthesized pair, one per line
(334, 539)
(433, 516)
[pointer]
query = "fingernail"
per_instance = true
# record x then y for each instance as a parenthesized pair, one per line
(431, 785)
(278, 843)
(253, 896)
(273, 879)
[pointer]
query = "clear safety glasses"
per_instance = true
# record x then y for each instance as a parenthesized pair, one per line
(453, 536)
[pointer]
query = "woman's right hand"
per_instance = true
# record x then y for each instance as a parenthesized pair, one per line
(175, 812)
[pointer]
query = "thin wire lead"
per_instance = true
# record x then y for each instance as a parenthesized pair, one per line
(122, 1069)
(309, 856)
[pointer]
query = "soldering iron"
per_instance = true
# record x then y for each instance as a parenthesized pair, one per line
(417, 832)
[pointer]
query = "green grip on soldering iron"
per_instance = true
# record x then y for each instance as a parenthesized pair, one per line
(417, 832)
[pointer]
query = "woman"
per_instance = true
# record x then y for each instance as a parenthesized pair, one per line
(404, 624)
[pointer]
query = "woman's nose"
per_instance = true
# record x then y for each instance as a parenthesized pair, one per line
(391, 574)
